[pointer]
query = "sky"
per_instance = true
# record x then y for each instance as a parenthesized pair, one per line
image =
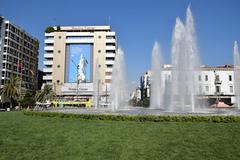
(138, 24)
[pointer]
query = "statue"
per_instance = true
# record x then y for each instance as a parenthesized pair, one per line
(82, 69)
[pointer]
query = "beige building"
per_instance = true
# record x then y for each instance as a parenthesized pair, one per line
(63, 48)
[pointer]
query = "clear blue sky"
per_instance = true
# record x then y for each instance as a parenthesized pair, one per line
(138, 24)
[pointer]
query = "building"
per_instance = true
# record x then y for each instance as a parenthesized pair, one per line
(216, 83)
(18, 54)
(144, 89)
(40, 79)
(78, 60)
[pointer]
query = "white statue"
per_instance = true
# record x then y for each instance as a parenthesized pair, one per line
(82, 69)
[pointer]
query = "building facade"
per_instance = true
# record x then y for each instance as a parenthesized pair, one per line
(76, 51)
(18, 54)
(40, 79)
(215, 82)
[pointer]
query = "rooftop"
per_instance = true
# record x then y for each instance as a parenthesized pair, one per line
(226, 67)
(83, 28)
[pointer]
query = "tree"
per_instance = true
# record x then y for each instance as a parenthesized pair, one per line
(27, 100)
(143, 102)
(11, 89)
(46, 94)
(49, 29)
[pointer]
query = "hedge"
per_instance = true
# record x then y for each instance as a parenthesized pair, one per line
(140, 118)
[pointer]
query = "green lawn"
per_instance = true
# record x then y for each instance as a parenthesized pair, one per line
(29, 137)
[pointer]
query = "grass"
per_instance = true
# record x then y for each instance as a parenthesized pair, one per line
(34, 137)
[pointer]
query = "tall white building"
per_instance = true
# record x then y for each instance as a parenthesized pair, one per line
(63, 47)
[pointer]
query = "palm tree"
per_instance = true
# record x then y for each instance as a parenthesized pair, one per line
(11, 89)
(46, 94)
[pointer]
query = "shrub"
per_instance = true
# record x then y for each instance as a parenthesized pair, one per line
(140, 118)
(49, 29)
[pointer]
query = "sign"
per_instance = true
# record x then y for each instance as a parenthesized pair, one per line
(72, 87)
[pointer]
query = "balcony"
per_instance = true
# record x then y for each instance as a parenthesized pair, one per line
(48, 62)
(48, 48)
(49, 34)
(110, 40)
(110, 47)
(47, 77)
(110, 33)
(110, 54)
(48, 55)
(109, 62)
(108, 77)
(47, 70)
(49, 41)
(108, 70)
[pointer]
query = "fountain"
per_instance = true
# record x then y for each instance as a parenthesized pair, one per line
(185, 64)
(177, 94)
(96, 85)
(118, 94)
(156, 85)
(236, 74)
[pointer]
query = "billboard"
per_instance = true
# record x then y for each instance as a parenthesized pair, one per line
(78, 63)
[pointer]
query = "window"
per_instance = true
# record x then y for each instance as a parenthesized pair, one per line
(59, 51)
(231, 89)
(59, 37)
(218, 89)
(200, 89)
(109, 65)
(207, 88)
(58, 81)
(2, 82)
(99, 51)
(206, 77)
(99, 37)
(199, 78)
(110, 58)
(58, 66)
(230, 77)
(217, 78)
(108, 73)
